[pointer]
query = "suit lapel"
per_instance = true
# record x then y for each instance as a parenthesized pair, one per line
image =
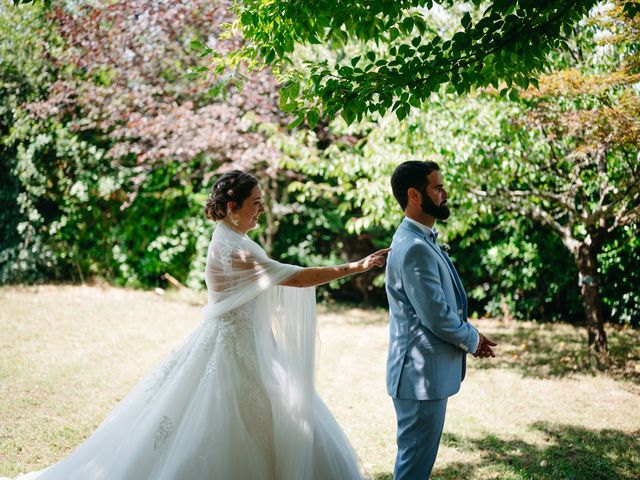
(454, 274)
(452, 271)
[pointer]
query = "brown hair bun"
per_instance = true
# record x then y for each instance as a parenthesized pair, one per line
(234, 186)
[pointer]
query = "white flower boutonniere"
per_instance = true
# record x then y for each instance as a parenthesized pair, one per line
(445, 247)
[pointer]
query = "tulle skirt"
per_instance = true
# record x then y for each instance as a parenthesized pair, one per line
(215, 408)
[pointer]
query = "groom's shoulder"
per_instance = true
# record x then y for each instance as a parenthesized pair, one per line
(405, 239)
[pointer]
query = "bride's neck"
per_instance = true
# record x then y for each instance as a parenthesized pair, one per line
(227, 223)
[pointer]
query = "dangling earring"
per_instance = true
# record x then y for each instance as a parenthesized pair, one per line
(234, 220)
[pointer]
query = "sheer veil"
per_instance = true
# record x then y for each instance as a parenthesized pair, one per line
(239, 271)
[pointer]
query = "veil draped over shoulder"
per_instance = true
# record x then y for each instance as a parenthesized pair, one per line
(236, 400)
(238, 273)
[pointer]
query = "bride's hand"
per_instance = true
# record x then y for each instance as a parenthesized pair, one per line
(376, 259)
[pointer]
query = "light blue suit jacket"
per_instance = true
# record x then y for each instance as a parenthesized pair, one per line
(429, 332)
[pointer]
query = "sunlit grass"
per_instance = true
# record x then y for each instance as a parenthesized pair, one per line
(540, 410)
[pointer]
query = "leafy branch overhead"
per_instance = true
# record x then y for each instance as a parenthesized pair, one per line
(402, 56)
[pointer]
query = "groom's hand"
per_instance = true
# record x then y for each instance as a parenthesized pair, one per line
(484, 349)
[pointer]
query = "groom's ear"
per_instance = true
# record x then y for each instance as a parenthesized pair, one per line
(413, 195)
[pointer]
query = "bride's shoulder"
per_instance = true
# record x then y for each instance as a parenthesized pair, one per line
(225, 245)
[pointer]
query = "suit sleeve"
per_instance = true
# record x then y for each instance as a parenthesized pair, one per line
(423, 287)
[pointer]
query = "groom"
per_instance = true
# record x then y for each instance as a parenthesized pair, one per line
(430, 334)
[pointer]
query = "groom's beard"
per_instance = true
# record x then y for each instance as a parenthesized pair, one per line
(439, 212)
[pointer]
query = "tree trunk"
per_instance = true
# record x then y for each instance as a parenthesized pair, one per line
(587, 262)
(269, 199)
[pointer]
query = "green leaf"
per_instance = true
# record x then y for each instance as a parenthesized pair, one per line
(414, 101)
(312, 117)
(215, 91)
(402, 112)
(270, 56)
(348, 115)
(407, 25)
(466, 20)
(343, 36)
(297, 121)
(421, 25)
(631, 9)
(345, 71)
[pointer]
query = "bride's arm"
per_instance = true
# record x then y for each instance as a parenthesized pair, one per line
(312, 276)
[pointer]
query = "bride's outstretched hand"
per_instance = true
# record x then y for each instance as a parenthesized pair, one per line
(376, 259)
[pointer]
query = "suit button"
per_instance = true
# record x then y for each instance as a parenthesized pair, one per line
(459, 311)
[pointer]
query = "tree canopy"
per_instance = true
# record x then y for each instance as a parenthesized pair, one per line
(400, 53)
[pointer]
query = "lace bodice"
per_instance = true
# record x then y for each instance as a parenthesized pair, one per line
(241, 317)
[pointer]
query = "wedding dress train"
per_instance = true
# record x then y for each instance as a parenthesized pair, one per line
(236, 401)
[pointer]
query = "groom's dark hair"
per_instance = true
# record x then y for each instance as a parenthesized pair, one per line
(410, 174)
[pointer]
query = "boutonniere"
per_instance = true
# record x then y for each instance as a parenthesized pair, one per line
(445, 247)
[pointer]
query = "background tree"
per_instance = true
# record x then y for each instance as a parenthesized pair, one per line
(98, 111)
(584, 184)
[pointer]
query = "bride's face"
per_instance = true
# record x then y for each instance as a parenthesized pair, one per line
(249, 213)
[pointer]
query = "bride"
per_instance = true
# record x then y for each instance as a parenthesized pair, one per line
(237, 400)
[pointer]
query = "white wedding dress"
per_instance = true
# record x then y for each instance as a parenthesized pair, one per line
(236, 401)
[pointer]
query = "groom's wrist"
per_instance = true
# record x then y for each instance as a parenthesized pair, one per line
(474, 351)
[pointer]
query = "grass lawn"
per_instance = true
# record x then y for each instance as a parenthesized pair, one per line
(541, 410)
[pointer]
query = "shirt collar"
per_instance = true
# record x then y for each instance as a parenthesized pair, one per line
(431, 232)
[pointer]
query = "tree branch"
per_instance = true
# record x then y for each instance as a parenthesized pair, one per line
(529, 209)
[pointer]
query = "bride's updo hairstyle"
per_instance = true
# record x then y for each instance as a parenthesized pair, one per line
(234, 186)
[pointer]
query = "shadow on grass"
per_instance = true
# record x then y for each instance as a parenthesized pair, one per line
(572, 453)
(552, 350)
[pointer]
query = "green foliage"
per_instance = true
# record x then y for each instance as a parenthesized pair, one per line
(78, 201)
(519, 270)
(404, 57)
(25, 38)
(72, 226)
(620, 263)
(72, 210)
(61, 210)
